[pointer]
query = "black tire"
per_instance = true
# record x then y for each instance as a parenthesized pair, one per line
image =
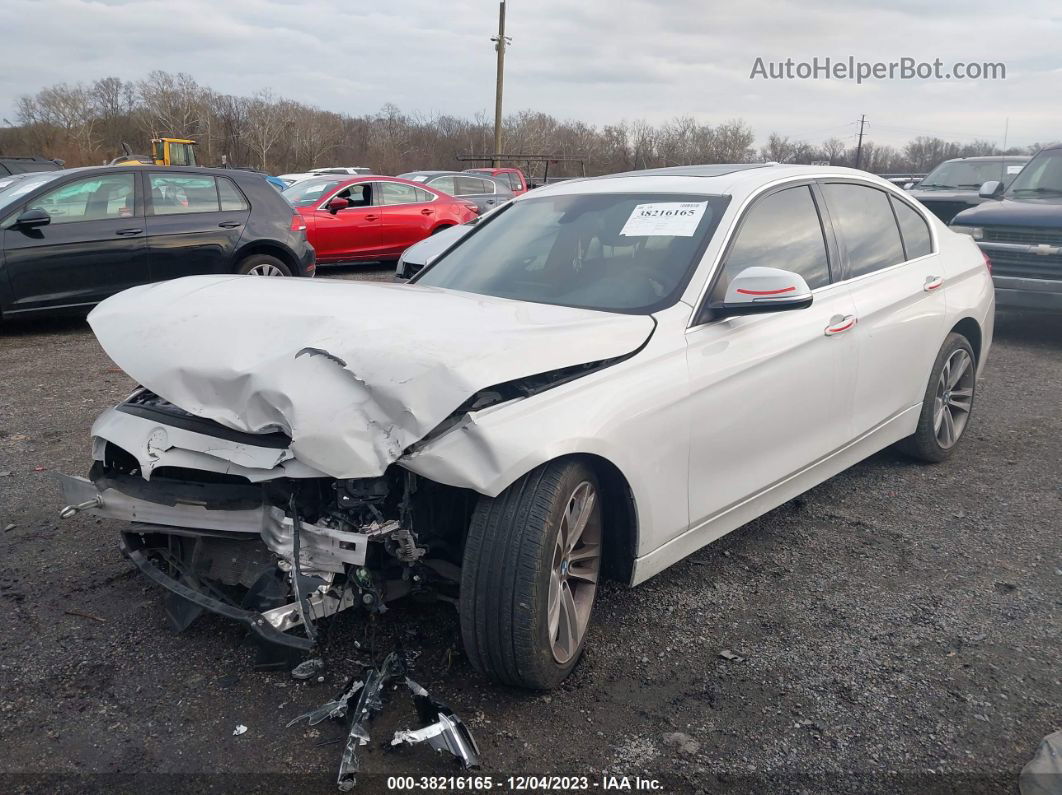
(263, 261)
(506, 576)
(924, 444)
(438, 229)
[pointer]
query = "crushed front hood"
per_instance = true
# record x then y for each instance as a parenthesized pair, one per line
(353, 372)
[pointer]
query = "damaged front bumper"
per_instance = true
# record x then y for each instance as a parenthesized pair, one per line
(224, 548)
(324, 552)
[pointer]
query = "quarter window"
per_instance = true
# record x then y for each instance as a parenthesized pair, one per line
(175, 195)
(231, 198)
(91, 199)
(913, 228)
(780, 231)
(514, 181)
(867, 226)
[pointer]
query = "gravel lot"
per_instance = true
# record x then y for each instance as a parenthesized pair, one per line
(899, 627)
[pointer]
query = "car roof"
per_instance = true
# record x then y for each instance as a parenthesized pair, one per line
(143, 167)
(435, 173)
(987, 158)
(716, 179)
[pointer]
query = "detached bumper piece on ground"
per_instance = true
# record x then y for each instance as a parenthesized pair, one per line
(360, 701)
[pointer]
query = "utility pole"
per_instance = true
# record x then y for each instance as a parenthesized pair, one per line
(859, 146)
(501, 41)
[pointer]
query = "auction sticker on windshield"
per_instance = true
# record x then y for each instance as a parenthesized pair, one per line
(675, 219)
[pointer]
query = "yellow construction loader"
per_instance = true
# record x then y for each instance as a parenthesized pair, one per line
(164, 152)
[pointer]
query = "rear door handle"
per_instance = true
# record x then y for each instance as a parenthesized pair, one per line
(128, 232)
(932, 283)
(427, 211)
(840, 323)
(230, 224)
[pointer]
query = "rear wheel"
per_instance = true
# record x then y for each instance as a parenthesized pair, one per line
(262, 265)
(947, 404)
(531, 566)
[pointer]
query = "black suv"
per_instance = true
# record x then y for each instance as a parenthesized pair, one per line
(69, 239)
(953, 185)
(1021, 233)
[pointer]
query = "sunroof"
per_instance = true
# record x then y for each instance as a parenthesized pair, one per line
(714, 170)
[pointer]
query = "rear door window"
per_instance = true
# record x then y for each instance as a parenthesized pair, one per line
(865, 222)
(184, 193)
(514, 181)
(396, 193)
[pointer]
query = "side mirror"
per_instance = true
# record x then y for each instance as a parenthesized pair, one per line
(908, 185)
(337, 204)
(760, 289)
(992, 189)
(31, 219)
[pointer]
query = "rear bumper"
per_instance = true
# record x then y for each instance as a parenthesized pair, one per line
(1021, 293)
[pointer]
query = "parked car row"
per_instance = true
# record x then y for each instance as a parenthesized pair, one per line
(70, 238)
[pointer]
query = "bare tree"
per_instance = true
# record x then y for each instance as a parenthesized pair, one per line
(267, 123)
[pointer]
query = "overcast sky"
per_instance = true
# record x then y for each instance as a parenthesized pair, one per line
(595, 60)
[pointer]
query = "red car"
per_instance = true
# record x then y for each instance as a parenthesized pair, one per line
(351, 219)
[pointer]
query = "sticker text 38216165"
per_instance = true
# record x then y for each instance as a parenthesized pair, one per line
(674, 219)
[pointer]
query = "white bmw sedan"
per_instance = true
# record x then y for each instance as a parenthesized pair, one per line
(595, 381)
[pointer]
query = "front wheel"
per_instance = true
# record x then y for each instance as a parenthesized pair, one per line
(529, 578)
(947, 404)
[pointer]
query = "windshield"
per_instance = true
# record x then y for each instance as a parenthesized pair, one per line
(614, 252)
(414, 177)
(308, 192)
(1041, 177)
(969, 175)
(16, 186)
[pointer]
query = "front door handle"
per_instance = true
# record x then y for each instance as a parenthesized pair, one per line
(932, 283)
(840, 324)
(371, 217)
(128, 232)
(230, 224)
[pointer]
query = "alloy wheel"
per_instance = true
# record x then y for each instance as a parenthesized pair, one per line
(954, 398)
(265, 269)
(576, 566)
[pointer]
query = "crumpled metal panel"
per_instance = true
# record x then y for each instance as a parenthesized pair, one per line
(353, 372)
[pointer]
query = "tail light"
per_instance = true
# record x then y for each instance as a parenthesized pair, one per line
(297, 224)
(471, 206)
(988, 262)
